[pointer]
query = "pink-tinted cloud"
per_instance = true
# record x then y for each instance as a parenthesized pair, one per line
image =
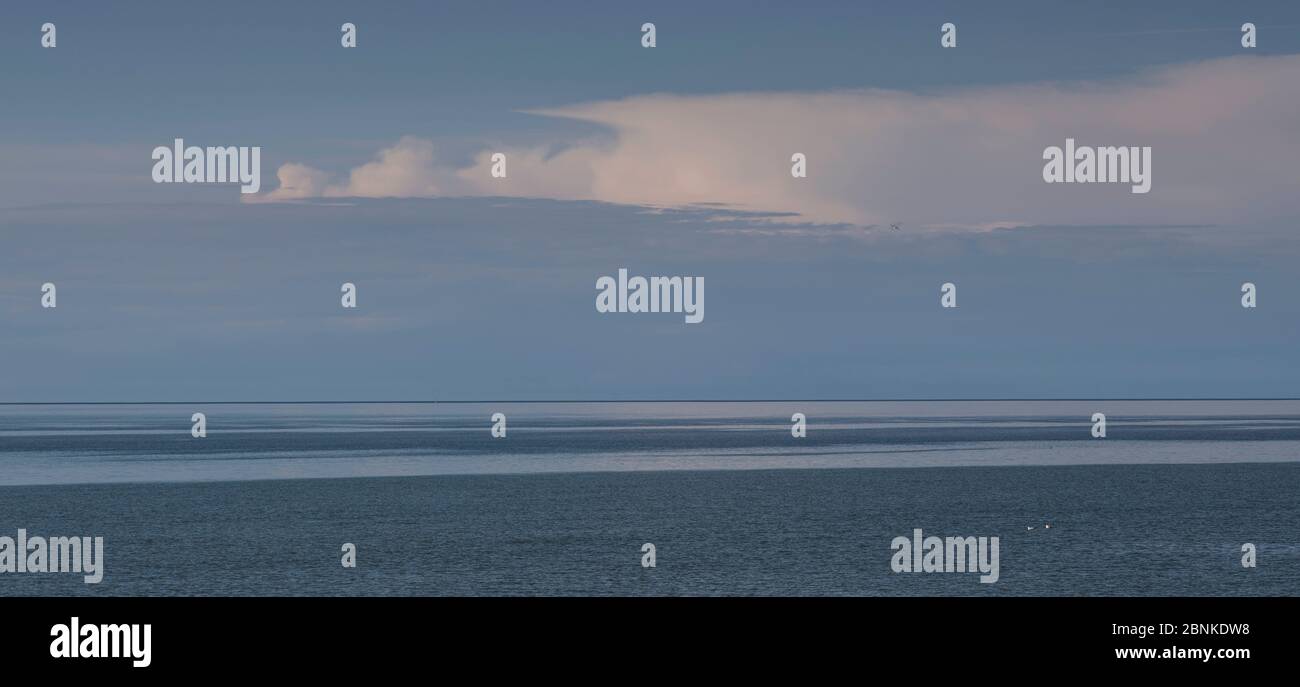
(1224, 136)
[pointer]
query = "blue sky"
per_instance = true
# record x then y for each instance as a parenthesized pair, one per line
(461, 72)
(672, 160)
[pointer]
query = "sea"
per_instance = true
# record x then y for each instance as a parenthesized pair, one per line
(1174, 500)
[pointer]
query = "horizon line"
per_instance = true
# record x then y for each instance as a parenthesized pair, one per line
(646, 400)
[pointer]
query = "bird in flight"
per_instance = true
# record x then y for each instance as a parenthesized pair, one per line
(895, 227)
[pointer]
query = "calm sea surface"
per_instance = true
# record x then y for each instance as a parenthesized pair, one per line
(733, 503)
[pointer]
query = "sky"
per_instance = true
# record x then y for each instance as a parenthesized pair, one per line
(672, 160)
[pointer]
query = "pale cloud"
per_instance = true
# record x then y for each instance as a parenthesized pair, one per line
(1224, 134)
(298, 181)
(405, 170)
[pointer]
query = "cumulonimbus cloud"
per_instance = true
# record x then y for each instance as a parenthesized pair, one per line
(1224, 137)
